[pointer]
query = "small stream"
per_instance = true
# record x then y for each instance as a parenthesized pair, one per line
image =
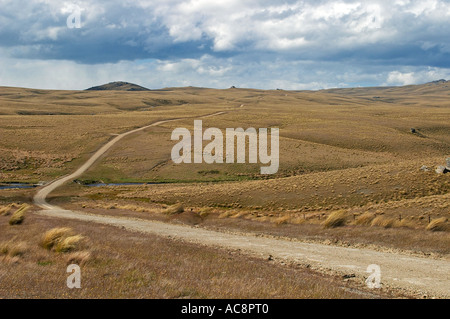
(16, 185)
(25, 185)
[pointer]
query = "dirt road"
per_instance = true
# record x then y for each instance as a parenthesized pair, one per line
(425, 276)
(422, 275)
(41, 195)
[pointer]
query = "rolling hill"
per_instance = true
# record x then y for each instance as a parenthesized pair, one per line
(118, 86)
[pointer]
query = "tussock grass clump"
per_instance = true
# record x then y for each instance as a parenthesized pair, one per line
(298, 221)
(78, 257)
(384, 222)
(336, 219)
(203, 214)
(239, 214)
(205, 211)
(18, 216)
(365, 219)
(135, 208)
(52, 237)
(440, 224)
(5, 210)
(264, 218)
(68, 244)
(174, 209)
(282, 220)
(10, 249)
(4, 248)
(226, 214)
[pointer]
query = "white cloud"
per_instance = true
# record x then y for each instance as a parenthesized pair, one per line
(399, 78)
(207, 71)
(421, 7)
(277, 26)
(417, 76)
(61, 74)
(255, 43)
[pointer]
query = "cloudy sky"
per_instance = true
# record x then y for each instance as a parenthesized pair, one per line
(218, 43)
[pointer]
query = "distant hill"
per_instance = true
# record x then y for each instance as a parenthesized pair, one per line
(441, 81)
(434, 87)
(118, 86)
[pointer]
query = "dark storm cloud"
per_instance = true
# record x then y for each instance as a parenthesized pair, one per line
(400, 36)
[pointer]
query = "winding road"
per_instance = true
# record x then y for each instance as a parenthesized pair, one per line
(420, 275)
(41, 195)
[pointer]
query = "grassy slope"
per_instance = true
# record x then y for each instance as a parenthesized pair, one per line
(48, 133)
(118, 264)
(340, 149)
(320, 131)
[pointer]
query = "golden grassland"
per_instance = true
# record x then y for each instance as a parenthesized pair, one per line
(350, 174)
(34, 257)
(405, 225)
(319, 131)
(390, 205)
(46, 134)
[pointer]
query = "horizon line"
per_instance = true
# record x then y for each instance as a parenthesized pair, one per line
(231, 87)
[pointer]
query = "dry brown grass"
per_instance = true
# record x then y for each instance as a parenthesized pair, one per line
(204, 213)
(5, 210)
(332, 190)
(53, 237)
(331, 138)
(405, 223)
(26, 155)
(336, 219)
(13, 249)
(68, 244)
(349, 164)
(297, 221)
(282, 220)
(408, 234)
(381, 221)
(365, 219)
(78, 257)
(124, 264)
(18, 216)
(239, 214)
(440, 224)
(226, 214)
(127, 207)
(174, 209)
